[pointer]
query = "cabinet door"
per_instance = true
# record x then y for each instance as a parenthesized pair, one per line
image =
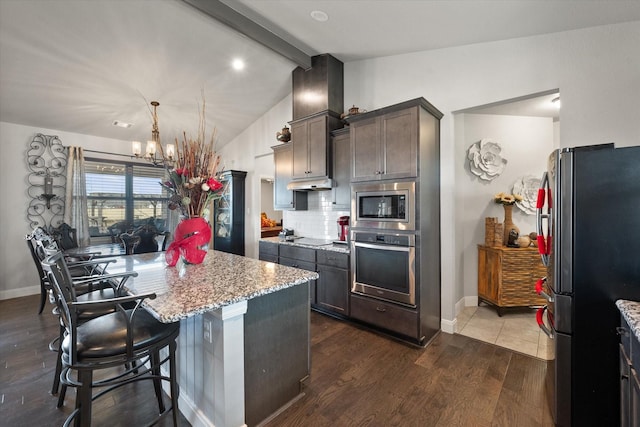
(283, 198)
(625, 389)
(365, 150)
(317, 137)
(399, 144)
(341, 191)
(634, 389)
(300, 150)
(332, 289)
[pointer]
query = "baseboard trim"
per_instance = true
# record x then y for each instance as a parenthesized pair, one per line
(20, 292)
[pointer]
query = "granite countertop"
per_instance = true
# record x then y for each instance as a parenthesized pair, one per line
(222, 279)
(335, 247)
(631, 312)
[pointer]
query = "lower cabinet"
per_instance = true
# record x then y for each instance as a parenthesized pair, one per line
(385, 315)
(332, 287)
(629, 381)
(267, 251)
(303, 258)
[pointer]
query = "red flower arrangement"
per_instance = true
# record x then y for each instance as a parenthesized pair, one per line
(193, 182)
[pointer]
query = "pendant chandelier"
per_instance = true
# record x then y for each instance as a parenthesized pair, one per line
(154, 152)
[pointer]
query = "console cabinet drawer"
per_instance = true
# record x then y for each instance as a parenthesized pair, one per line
(303, 265)
(385, 315)
(333, 259)
(298, 253)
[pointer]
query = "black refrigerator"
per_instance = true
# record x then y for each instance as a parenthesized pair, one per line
(589, 239)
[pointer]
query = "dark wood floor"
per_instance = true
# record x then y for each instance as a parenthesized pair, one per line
(358, 379)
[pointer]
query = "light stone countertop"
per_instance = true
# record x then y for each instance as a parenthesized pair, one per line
(336, 247)
(222, 279)
(631, 312)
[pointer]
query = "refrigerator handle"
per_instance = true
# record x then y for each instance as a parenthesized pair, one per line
(539, 289)
(544, 245)
(539, 319)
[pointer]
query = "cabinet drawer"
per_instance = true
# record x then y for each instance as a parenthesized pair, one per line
(333, 259)
(385, 315)
(267, 248)
(304, 265)
(296, 252)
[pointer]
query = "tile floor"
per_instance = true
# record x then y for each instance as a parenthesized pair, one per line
(515, 330)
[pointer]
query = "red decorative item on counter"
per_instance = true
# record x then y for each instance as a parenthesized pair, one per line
(190, 235)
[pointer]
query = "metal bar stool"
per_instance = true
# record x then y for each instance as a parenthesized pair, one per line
(130, 338)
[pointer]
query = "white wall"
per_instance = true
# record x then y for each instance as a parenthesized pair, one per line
(526, 143)
(596, 70)
(251, 151)
(17, 273)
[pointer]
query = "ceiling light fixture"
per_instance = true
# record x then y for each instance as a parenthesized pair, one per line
(238, 64)
(153, 146)
(319, 15)
(122, 124)
(556, 101)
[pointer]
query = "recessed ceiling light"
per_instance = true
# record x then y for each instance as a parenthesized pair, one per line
(122, 124)
(237, 64)
(319, 16)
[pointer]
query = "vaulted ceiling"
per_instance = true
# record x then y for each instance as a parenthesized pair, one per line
(80, 65)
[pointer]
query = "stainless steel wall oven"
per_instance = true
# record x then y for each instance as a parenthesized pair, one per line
(384, 266)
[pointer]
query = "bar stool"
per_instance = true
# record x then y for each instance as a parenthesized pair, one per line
(130, 338)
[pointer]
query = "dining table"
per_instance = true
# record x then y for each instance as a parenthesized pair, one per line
(97, 251)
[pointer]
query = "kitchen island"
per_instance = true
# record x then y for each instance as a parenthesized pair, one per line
(244, 334)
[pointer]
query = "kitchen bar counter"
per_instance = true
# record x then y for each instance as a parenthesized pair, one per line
(221, 280)
(244, 341)
(311, 243)
(630, 310)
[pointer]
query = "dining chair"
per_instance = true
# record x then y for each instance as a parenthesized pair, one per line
(128, 338)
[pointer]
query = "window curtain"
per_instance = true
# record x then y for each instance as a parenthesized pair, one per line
(76, 212)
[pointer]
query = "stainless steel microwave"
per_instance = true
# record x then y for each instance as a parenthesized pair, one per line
(387, 206)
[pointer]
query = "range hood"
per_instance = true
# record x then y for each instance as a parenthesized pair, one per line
(311, 185)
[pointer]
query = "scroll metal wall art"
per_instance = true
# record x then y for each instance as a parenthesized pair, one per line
(485, 160)
(47, 162)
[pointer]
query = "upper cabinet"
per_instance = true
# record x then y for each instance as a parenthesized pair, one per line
(311, 155)
(385, 143)
(341, 153)
(282, 197)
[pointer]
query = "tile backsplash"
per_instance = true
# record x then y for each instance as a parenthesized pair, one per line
(319, 221)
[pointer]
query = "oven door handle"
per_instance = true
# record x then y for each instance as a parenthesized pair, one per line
(383, 247)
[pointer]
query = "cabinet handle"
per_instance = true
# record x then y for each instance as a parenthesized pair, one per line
(381, 309)
(624, 377)
(622, 331)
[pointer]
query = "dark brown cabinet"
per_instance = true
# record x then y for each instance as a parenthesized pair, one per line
(332, 287)
(389, 316)
(629, 382)
(385, 146)
(299, 257)
(228, 214)
(267, 251)
(309, 148)
(341, 150)
(311, 154)
(282, 197)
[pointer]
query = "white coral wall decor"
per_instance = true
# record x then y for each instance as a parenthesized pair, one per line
(527, 186)
(485, 160)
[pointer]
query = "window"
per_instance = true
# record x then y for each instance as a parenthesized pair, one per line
(123, 195)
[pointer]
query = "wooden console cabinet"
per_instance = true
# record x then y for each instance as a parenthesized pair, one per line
(507, 276)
